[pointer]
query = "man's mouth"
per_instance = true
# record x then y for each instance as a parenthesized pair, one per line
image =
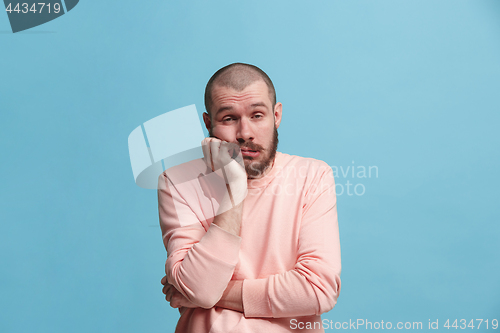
(249, 152)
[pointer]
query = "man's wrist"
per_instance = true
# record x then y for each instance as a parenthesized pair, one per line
(230, 220)
(232, 297)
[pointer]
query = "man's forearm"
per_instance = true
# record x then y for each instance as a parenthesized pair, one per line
(230, 220)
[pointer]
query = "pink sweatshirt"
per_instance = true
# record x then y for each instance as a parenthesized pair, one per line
(288, 252)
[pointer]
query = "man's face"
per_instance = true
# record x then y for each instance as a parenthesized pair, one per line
(247, 118)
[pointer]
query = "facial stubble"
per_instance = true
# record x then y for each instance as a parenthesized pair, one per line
(257, 169)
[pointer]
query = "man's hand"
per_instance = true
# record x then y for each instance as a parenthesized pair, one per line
(231, 299)
(175, 298)
(225, 157)
(219, 156)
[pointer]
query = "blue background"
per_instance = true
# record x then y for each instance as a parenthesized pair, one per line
(410, 87)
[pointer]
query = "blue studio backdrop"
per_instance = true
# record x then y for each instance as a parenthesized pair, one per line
(399, 97)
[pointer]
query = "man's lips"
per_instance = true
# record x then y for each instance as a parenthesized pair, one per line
(249, 152)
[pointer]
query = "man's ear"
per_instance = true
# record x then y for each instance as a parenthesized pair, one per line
(278, 108)
(207, 121)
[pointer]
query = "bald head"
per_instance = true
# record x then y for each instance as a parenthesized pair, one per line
(237, 76)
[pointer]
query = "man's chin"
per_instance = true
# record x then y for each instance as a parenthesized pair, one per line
(255, 169)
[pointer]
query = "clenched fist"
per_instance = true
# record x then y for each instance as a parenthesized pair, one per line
(225, 158)
(175, 298)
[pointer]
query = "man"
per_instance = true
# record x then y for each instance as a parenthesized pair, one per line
(264, 256)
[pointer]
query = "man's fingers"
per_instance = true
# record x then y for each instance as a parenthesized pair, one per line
(173, 301)
(167, 288)
(208, 146)
(205, 146)
(218, 153)
(211, 158)
(176, 299)
(214, 153)
(168, 294)
(174, 304)
(164, 280)
(230, 151)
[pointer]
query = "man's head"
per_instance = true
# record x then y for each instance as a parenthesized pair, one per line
(241, 103)
(237, 76)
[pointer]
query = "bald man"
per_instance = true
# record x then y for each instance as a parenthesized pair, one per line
(253, 244)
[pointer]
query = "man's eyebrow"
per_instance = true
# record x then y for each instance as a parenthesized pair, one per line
(230, 108)
(254, 105)
(224, 108)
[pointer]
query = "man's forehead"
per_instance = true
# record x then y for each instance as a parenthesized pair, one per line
(257, 93)
(230, 107)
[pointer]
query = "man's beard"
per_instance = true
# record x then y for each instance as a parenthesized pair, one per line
(256, 169)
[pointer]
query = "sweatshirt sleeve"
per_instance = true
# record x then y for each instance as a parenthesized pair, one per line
(201, 256)
(313, 285)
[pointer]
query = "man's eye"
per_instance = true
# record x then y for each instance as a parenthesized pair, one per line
(228, 119)
(258, 116)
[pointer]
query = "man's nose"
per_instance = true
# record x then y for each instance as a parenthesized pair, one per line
(245, 132)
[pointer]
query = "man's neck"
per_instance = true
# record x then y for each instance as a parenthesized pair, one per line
(266, 171)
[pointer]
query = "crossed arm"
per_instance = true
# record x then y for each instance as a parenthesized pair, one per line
(231, 298)
(201, 262)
